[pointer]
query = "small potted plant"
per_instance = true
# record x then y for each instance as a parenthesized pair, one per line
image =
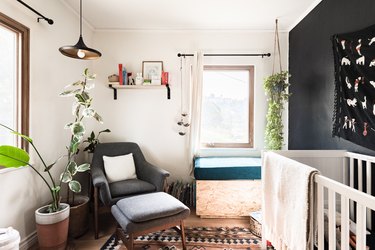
(92, 141)
(276, 87)
(53, 219)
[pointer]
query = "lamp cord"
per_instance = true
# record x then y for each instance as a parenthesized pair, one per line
(80, 17)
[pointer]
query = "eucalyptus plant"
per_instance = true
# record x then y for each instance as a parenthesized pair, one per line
(14, 157)
(276, 87)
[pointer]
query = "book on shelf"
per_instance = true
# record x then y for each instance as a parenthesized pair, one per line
(120, 76)
(124, 76)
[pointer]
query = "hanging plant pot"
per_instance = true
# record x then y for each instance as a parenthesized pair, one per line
(52, 228)
(276, 88)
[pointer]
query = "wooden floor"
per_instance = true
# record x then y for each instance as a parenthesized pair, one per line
(107, 228)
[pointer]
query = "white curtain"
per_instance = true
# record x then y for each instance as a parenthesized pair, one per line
(195, 106)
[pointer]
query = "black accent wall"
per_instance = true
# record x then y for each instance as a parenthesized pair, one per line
(312, 68)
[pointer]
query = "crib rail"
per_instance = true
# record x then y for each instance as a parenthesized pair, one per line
(363, 201)
(362, 165)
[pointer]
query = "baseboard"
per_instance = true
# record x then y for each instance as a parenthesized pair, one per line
(29, 241)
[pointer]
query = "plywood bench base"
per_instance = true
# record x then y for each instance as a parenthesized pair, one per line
(228, 198)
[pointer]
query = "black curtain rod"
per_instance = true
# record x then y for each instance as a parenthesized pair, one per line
(262, 55)
(50, 21)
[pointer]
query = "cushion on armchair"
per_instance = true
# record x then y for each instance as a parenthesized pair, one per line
(119, 168)
(130, 187)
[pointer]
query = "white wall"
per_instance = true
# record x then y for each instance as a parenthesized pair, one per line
(146, 116)
(21, 190)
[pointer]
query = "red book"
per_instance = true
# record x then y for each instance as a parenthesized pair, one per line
(120, 77)
(164, 78)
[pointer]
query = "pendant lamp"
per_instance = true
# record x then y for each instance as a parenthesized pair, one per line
(80, 50)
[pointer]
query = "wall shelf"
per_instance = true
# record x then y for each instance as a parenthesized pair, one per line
(115, 87)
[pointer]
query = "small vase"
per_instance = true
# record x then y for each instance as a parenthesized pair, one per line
(52, 228)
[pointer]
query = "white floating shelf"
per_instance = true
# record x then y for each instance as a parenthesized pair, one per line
(115, 86)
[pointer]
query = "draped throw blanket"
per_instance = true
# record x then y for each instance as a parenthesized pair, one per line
(354, 112)
(287, 202)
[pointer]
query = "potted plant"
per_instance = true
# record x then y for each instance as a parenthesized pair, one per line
(79, 204)
(276, 87)
(92, 141)
(53, 219)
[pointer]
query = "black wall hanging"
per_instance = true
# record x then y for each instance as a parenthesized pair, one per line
(354, 112)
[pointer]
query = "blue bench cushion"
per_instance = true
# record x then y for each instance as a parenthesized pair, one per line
(227, 168)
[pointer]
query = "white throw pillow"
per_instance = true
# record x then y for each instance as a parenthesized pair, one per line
(119, 168)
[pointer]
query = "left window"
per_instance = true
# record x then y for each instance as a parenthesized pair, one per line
(14, 80)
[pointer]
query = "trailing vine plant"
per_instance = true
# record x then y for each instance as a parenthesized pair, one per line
(276, 87)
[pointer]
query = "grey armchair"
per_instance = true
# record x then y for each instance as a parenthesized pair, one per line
(149, 177)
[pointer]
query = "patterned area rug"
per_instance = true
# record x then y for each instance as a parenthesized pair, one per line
(197, 238)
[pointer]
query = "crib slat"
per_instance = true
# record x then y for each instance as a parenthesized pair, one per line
(344, 223)
(369, 191)
(361, 227)
(320, 214)
(331, 220)
(345, 171)
(351, 183)
(360, 175)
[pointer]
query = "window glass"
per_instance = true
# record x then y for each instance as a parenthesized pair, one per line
(227, 106)
(14, 80)
(8, 83)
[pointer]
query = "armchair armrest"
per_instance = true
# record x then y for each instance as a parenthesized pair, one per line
(153, 175)
(100, 181)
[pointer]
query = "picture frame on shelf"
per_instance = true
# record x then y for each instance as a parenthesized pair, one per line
(152, 70)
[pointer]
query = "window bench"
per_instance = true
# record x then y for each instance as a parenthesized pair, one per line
(227, 186)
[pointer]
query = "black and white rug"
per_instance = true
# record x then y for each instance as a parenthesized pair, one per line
(197, 238)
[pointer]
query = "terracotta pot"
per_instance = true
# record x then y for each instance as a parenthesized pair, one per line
(79, 216)
(52, 228)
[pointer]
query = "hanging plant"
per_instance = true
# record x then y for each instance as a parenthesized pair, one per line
(276, 87)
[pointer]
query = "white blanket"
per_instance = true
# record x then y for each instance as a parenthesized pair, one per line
(286, 202)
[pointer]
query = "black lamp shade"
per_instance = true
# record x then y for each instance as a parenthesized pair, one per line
(80, 51)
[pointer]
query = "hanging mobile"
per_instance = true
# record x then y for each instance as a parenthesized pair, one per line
(182, 122)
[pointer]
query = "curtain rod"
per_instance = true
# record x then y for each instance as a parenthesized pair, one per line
(262, 55)
(49, 21)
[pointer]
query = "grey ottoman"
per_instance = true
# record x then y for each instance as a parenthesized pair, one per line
(146, 213)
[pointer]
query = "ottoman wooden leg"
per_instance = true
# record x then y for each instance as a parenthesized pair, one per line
(130, 242)
(183, 240)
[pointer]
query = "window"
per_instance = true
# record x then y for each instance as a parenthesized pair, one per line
(14, 80)
(227, 107)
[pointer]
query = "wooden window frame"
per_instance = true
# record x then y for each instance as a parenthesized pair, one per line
(23, 74)
(249, 68)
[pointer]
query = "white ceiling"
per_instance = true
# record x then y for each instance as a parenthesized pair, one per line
(258, 15)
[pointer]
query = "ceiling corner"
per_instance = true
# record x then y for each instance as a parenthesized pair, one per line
(304, 14)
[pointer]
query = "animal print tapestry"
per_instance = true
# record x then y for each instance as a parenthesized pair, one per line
(354, 112)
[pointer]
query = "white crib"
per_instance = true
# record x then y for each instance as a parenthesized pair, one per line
(344, 186)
